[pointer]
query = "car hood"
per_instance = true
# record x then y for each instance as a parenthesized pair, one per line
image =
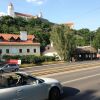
(49, 80)
(0, 68)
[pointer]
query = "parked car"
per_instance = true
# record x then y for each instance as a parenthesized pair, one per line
(8, 67)
(22, 86)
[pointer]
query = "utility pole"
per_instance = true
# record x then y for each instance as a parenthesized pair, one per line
(90, 48)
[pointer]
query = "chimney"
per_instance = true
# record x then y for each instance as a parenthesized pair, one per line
(23, 35)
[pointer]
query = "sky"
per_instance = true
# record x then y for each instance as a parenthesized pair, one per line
(83, 13)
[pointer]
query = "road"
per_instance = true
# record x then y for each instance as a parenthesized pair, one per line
(35, 68)
(60, 67)
(80, 85)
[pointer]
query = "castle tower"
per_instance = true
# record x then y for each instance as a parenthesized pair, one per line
(40, 15)
(11, 10)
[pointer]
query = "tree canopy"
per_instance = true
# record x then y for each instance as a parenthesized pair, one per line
(39, 27)
(14, 25)
(64, 41)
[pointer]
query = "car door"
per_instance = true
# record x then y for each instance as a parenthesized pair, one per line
(19, 93)
(6, 68)
(12, 67)
(35, 92)
(8, 94)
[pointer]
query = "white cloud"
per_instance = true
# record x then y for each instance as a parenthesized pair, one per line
(39, 2)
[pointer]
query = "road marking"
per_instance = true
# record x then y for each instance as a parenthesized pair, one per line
(71, 71)
(61, 69)
(78, 79)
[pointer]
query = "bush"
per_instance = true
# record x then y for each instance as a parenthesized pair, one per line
(28, 59)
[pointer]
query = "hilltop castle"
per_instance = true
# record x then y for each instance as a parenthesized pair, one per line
(12, 13)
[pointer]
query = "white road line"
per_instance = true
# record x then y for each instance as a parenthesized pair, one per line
(78, 79)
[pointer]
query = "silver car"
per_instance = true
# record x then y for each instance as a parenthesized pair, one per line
(22, 86)
(8, 67)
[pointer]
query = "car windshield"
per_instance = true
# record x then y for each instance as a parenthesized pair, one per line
(12, 64)
(13, 80)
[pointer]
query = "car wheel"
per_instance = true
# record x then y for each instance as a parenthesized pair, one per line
(16, 69)
(54, 94)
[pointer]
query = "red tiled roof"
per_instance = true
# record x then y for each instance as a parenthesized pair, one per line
(21, 14)
(6, 41)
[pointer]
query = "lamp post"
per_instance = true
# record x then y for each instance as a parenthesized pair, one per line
(90, 48)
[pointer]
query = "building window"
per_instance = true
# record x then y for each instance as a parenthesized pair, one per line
(0, 51)
(20, 50)
(34, 50)
(28, 50)
(7, 50)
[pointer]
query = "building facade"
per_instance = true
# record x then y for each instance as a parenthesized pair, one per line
(12, 13)
(11, 44)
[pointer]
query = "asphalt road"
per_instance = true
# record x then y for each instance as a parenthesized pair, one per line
(41, 67)
(80, 85)
(77, 85)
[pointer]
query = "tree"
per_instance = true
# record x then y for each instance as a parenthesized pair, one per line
(79, 40)
(64, 41)
(43, 38)
(96, 40)
(86, 34)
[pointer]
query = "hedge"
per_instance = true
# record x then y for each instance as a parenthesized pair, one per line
(28, 59)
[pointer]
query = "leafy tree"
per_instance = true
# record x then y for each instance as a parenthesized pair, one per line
(14, 25)
(79, 40)
(7, 20)
(64, 41)
(85, 33)
(96, 40)
(44, 40)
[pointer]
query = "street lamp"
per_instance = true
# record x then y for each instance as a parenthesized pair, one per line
(90, 48)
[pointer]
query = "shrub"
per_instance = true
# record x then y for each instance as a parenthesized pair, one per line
(27, 59)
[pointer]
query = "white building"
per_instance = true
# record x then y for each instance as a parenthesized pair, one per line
(12, 13)
(23, 44)
(50, 51)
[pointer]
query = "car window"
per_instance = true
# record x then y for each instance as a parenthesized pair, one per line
(12, 65)
(33, 80)
(5, 66)
(8, 81)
